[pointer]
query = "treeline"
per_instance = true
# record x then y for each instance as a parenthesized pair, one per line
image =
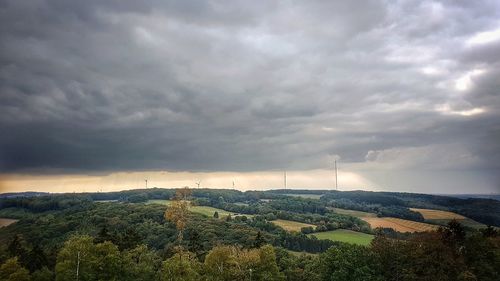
(486, 211)
(383, 206)
(47, 203)
(291, 208)
(393, 204)
(127, 225)
(449, 254)
(83, 258)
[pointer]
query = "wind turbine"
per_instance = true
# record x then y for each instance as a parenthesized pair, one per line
(336, 178)
(146, 183)
(284, 179)
(198, 183)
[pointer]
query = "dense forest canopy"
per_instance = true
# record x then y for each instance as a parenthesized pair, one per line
(129, 235)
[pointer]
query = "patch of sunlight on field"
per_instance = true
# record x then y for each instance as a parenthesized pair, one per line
(429, 214)
(344, 235)
(400, 225)
(291, 225)
(6, 222)
(160, 202)
(204, 210)
(443, 217)
(209, 211)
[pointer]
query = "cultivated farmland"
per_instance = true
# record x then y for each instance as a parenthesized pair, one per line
(400, 225)
(344, 235)
(429, 214)
(291, 225)
(443, 217)
(6, 222)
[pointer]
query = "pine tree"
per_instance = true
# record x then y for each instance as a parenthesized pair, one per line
(11, 270)
(259, 240)
(36, 259)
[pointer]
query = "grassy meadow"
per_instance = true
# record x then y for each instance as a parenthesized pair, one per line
(204, 210)
(292, 226)
(344, 235)
(160, 202)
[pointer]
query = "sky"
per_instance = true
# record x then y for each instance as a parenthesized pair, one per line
(100, 95)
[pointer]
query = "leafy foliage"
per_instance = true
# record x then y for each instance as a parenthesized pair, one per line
(135, 241)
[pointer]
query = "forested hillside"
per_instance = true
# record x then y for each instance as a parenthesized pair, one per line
(161, 234)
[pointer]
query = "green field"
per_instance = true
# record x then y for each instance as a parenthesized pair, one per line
(161, 202)
(307, 196)
(204, 210)
(344, 235)
(353, 213)
(209, 211)
(292, 225)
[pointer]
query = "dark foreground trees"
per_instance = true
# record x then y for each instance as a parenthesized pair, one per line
(446, 255)
(106, 241)
(103, 261)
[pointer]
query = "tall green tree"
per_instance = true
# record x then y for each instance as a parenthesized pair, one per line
(349, 262)
(12, 270)
(259, 240)
(36, 258)
(81, 257)
(226, 263)
(220, 263)
(18, 248)
(267, 268)
(183, 266)
(141, 264)
(42, 274)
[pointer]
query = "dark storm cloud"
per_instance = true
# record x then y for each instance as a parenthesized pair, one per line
(237, 85)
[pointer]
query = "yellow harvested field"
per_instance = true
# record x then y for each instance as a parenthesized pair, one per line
(6, 222)
(429, 214)
(400, 225)
(443, 217)
(291, 225)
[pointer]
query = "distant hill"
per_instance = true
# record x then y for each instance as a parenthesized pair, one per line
(384, 204)
(22, 194)
(466, 196)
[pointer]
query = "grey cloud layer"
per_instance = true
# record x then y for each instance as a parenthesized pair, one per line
(238, 85)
